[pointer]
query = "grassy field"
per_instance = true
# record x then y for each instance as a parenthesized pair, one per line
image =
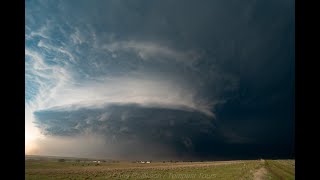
(247, 169)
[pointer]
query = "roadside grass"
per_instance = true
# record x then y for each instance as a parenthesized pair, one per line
(47, 170)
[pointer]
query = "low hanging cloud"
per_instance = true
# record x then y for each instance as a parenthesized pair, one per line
(124, 126)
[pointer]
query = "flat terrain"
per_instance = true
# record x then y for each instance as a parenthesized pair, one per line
(246, 169)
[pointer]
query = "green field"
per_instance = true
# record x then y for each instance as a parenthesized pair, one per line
(246, 169)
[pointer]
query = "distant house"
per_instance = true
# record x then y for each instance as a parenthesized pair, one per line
(142, 162)
(148, 162)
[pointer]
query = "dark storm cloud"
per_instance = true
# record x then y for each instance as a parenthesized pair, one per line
(130, 126)
(237, 53)
(150, 132)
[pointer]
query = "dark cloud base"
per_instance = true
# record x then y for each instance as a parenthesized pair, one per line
(145, 130)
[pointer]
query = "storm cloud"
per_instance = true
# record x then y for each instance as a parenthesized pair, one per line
(161, 79)
(131, 126)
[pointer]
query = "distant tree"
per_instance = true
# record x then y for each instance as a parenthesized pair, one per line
(61, 160)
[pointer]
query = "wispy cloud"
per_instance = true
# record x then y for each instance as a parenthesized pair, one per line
(153, 51)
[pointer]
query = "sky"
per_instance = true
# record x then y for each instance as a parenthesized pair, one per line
(165, 79)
